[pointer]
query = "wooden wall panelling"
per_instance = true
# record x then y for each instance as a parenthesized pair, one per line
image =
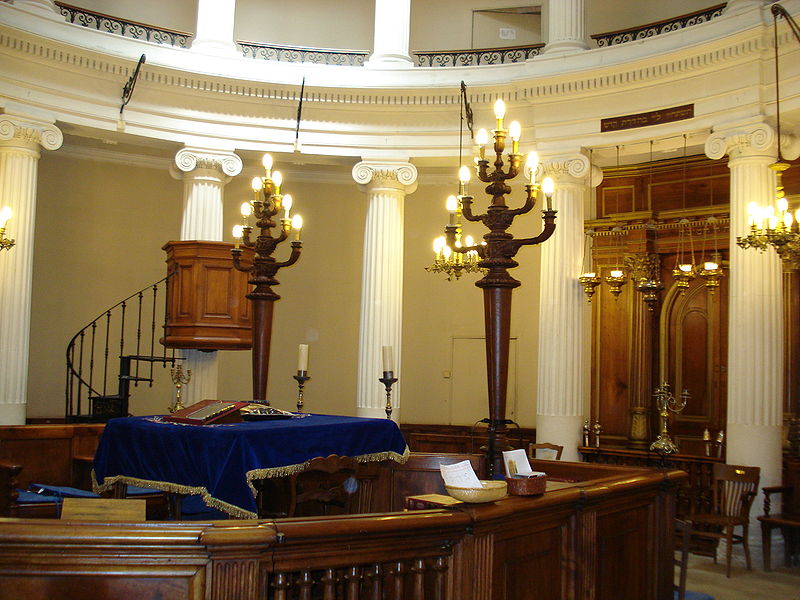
(791, 343)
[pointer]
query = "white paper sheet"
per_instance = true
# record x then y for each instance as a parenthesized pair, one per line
(460, 474)
(516, 462)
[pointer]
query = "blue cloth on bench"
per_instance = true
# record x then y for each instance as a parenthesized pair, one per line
(28, 497)
(694, 596)
(60, 491)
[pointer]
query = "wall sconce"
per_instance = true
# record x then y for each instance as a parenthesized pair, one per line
(5, 215)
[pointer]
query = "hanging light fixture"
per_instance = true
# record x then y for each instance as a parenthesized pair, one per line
(684, 271)
(648, 283)
(588, 279)
(711, 272)
(768, 227)
(616, 277)
(5, 243)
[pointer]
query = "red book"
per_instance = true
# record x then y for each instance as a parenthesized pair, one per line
(208, 411)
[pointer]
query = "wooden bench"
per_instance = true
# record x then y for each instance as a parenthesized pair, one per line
(788, 520)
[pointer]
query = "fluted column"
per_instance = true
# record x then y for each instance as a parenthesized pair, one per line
(566, 30)
(559, 395)
(43, 8)
(215, 19)
(734, 6)
(392, 26)
(21, 138)
(755, 321)
(386, 183)
(204, 173)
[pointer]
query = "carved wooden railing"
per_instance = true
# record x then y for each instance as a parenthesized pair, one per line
(131, 29)
(621, 36)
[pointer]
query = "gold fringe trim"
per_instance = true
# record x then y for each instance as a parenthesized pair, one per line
(300, 467)
(234, 511)
(166, 486)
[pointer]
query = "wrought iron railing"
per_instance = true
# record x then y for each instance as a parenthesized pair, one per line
(130, 29)
(613, 38)
(90, 367)
(475, 58)
(300, 54)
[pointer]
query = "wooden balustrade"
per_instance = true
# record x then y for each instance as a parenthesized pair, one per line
(604, 533)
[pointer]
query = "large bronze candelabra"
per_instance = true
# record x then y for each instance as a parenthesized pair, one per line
(497, 257)
(267, 202)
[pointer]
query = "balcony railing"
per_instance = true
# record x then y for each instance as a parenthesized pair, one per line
(613, 38)
(300, 54)
(129, 29)
(476, 58)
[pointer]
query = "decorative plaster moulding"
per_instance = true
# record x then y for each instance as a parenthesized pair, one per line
(77, 74)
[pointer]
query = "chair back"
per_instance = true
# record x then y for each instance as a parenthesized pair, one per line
(532, 448)
(324, 487)
(735, 488)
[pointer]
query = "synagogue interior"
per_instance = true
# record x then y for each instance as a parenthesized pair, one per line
(313, 218)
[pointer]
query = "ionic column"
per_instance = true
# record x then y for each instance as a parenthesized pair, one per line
(21, 137)
(43, 8)
(755, 321)
(204, 173)
(386, 184)
(734, 6)
(215, 28)
(566, 30)
(559, 395)
(390, 45)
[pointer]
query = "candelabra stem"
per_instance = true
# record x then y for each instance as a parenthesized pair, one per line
(263, 304)
(301, 379)
(388, 380)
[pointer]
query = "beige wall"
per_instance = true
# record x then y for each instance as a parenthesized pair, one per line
(175, 14)
(610, 15)
(100, 228)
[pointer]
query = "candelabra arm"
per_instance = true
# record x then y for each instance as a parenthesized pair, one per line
(466, 210)
(549, 218)
(530, 201)
(483, 171)
(513, 166)
(297, 246)
(237, 253)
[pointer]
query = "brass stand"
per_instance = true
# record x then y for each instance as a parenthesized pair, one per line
(301, 379)
(388, 380)
(179, 378)
(666, 402)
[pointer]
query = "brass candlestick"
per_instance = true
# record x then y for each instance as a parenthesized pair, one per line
(597, 428)
(179, 378)
(301, 379)
(586, 431)
(388, 380)
(666, 402)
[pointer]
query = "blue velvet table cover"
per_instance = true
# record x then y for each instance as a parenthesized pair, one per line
(220, 462)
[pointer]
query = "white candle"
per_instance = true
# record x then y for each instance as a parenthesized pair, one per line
(302, 358)
(387, 359)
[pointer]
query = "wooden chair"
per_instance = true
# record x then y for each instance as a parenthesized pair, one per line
(788, 520)
(532, 448)
(683, 532)
(325, 487)
(734, 488)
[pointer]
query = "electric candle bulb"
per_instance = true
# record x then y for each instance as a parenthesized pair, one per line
(773, 222)
(515, 130)
(482, 137)
(787, 220)
(686, 268)
(287, 204)
(548, 186)
(451, 204)
(297, 225)
(499, 110)
(266, 160)
(255, 184)
(589, 274)
(783, 205)
(469, 241)
(531, 165)
(446, 252)
(238, 232)
(5, 215)
(616, 273)
(246, 209)
(797, 215)
(277, 180)
(438, 244)
(710, 266)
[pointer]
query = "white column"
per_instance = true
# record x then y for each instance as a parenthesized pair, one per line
(755, 313)
(392, 25)
(20, 140)
(566, 30)
(559, 395)
(214, 33)
(204, 173)
(42, 8)
(386, 183)
(734, 6)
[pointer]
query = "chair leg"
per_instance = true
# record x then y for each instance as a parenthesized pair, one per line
(746, 546)
(766, 545)
(729, 549)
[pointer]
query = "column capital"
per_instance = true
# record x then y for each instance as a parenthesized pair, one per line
(382, 174)
(30, 132)
(571, 168)
(189, 159)
(753, 139)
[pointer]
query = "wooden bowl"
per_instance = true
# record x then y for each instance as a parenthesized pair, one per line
(491, 491)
